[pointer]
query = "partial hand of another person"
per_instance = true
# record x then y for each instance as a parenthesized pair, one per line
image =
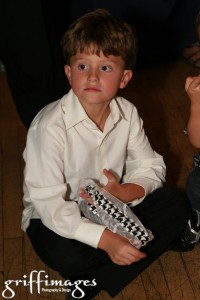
(192, 87)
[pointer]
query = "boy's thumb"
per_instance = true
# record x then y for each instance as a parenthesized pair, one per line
(109, 175)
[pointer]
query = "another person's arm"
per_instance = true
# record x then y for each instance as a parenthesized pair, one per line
(192, 87)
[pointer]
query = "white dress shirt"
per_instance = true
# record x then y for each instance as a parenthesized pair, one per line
(64, 146)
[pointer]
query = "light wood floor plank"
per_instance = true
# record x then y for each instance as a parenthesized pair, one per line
(155, 283)
(14, 266)
(176, 276)
(12, 184)
(135, 290)
(191, 262)
(1, 209)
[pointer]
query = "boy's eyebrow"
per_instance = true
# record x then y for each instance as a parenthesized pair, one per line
(103, 61)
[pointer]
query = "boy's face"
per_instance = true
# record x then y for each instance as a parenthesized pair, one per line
(96, 79)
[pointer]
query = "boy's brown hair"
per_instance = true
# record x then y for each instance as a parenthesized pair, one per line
(100, 31)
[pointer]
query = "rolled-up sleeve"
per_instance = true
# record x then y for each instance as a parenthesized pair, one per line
(144, 166)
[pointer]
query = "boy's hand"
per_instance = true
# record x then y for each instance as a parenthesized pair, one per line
(113, 186)
(83, 194)
(118, 248)
(125, 192)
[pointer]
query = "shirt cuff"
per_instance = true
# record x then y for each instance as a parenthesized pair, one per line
(89, 233)
(148, 186)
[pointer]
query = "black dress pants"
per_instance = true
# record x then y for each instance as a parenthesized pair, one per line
(165, 212)
(30, 50)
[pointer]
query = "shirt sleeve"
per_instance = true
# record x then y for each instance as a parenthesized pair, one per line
(143, 166)
(45, 187)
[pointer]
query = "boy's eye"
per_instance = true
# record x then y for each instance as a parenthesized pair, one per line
(82, 67)
(105, 68)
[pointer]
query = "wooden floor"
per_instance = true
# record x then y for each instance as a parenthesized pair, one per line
(162, 102)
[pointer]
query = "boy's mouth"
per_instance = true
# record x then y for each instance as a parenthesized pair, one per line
(92, 89)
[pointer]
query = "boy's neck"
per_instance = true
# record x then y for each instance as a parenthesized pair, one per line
(98, 115)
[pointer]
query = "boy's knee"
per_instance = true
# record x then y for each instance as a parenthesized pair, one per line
(193, 179)
(193, 188)
(173, 197)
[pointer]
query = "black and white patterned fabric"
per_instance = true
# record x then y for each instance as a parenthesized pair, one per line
(196, 157)
(114, 214)
(196, 160)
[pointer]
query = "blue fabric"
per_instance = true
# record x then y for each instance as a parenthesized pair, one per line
(193, 188)
(164, 27)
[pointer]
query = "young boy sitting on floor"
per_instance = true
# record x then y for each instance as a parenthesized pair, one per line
(93, 133)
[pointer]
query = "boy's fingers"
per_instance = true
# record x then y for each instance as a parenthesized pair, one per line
(138, 254)
(83, 194)
(109, 175)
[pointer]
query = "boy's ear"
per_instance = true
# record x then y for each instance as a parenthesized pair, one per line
(67, 70)
(126, 78)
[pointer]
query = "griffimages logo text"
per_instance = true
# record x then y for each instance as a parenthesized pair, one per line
(41, 281)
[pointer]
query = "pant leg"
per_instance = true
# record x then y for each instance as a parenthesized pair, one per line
(165, 212)
(193, 188)
(30, 51)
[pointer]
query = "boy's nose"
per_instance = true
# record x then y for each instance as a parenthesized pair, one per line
(93, 76)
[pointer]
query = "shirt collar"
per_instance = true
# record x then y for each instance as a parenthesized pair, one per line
(74, 113)
(116, 110)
